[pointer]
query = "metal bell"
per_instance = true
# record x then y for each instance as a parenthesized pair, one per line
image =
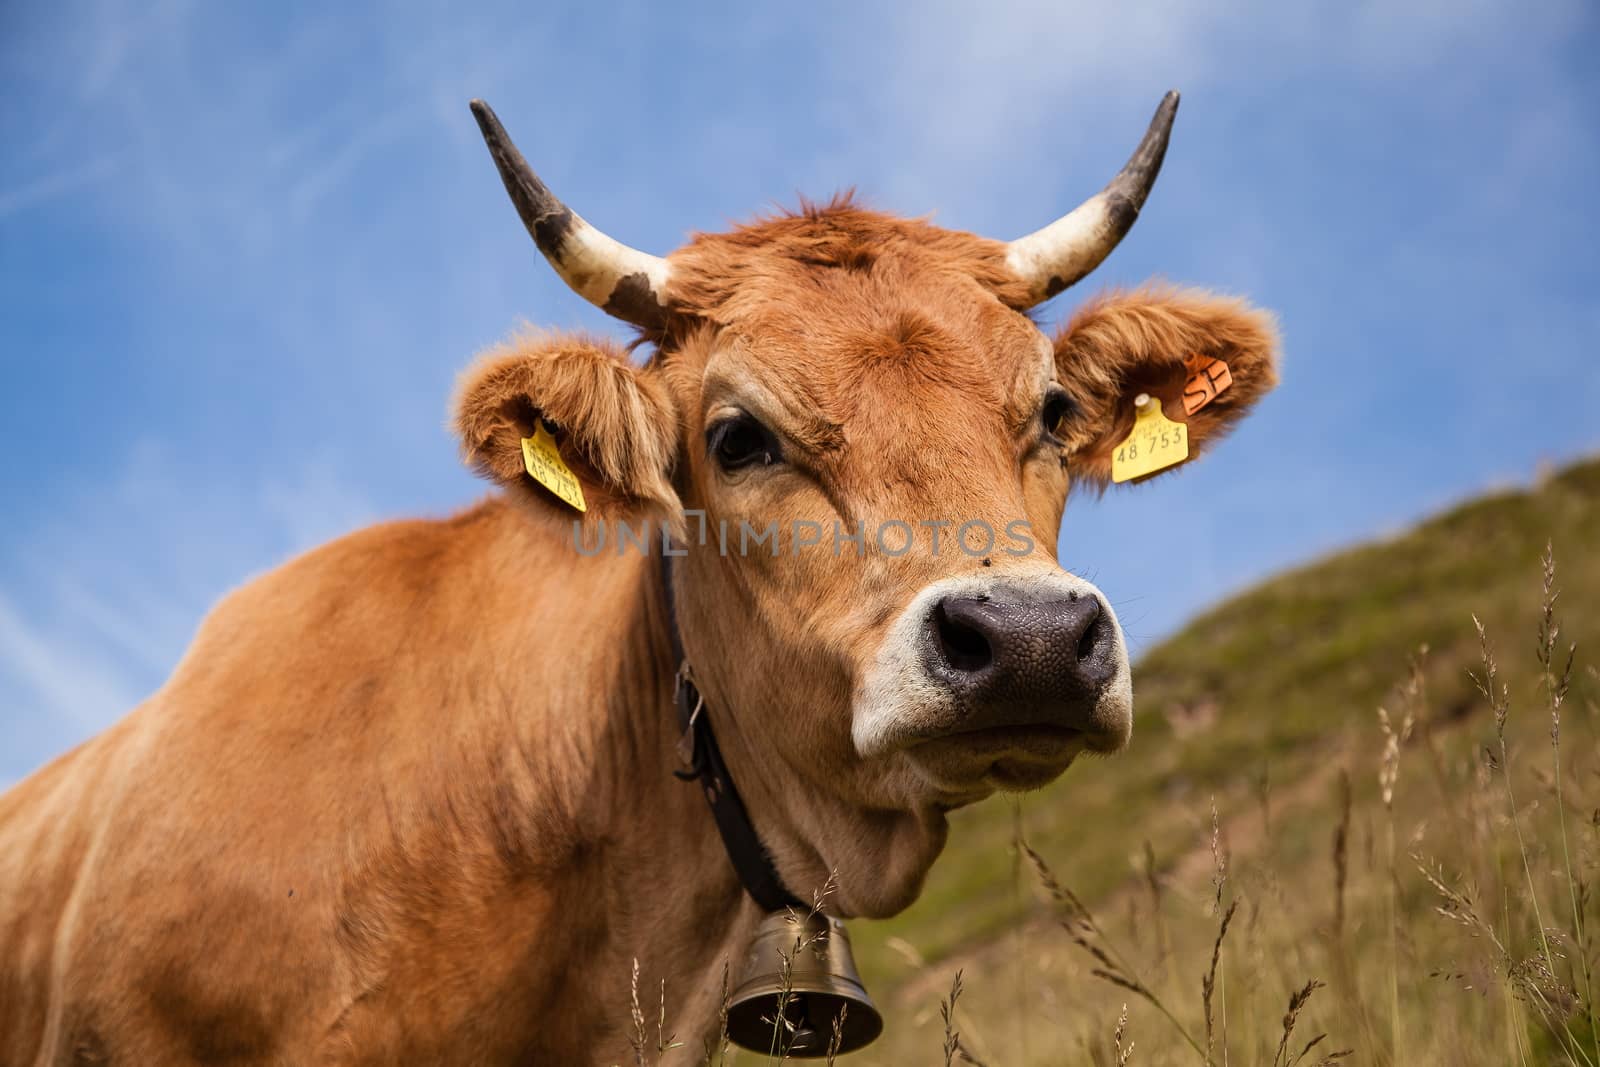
(821, 981)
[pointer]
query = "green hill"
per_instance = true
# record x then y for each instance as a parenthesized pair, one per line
(1258, 706)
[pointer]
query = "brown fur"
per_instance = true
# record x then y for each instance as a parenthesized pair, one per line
(408, 798)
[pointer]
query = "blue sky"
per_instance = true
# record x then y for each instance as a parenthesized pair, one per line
(243, 256)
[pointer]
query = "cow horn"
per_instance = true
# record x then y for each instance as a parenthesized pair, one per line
(621, 281)
(1051, 259)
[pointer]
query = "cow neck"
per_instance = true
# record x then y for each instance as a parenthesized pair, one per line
(703, 763)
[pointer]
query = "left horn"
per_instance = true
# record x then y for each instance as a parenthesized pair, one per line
(619, 280)
(1051, 259)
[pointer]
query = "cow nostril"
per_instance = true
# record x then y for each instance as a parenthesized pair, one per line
(1090, 639)
(964, 647)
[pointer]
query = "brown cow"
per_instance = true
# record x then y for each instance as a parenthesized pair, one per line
(410, 797)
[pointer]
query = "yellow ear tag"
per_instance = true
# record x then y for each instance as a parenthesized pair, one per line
(1155, 443)
(544, 463)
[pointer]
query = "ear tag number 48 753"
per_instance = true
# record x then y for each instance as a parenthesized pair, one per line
(1155, 443)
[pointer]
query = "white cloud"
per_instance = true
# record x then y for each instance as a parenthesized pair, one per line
(57, 183)
(965, 91)
(312, 506)
(64, 675)
(115, 31)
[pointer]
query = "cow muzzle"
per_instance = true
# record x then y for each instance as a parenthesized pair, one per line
(1000, 680)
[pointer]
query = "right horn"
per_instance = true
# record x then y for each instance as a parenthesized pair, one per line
(619, 280)
(1051, 259)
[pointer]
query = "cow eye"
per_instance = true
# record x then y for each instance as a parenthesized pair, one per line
(741, 441)
(1059, 409)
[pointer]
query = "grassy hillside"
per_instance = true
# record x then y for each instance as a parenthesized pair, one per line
(1265, 707)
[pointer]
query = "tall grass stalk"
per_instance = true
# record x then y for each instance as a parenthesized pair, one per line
(719, 1049)
(837, 1038)
(1209, 983)
(1124, 1052)
(1556, 688)
(947, 1010)
(1499, 695)
(1388, 777)
(636, 1038)
(1020, 971)
(1080, 926)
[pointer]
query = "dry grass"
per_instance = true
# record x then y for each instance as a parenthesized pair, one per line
(644, 1051)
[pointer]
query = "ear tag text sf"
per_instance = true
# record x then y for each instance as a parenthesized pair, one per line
(544, 464)
(1208, 377)
(1155, 443)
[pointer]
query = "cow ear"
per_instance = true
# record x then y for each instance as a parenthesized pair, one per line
(1154, 340)
(614, 426)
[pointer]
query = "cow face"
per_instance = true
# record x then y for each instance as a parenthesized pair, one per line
(866, 445)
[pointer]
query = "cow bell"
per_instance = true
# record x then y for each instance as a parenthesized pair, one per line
(809, 956)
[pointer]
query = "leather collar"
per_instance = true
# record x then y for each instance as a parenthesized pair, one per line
(703, 763)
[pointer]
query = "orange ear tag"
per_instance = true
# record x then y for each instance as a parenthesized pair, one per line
(1155, 443)
(1207, 378)
(545, 465)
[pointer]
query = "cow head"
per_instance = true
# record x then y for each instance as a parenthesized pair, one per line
(867, 444)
